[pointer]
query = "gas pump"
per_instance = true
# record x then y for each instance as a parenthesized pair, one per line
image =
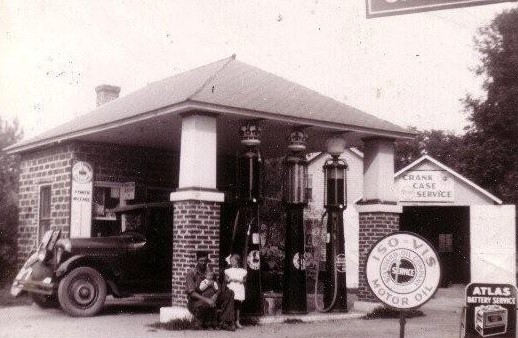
(295, 199)
(247, 240)
(335, 202)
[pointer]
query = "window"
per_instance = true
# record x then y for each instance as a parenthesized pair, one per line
(105, 197)
(445, 242)
(44, 215)
(309, 188)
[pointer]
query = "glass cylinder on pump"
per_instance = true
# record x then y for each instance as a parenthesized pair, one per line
(335, 184)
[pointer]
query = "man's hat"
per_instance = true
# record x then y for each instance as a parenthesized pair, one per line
(202, 254)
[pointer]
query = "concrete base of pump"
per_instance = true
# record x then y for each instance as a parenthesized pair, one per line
(365, 307)
(170, 313)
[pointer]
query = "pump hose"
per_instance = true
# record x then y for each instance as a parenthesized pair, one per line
(335, 291)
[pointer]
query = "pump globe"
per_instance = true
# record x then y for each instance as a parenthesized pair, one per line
(336, 145)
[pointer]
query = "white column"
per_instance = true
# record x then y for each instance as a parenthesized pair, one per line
(197, 179)
(378, 171)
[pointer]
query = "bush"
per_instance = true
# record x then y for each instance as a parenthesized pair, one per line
(383, 312)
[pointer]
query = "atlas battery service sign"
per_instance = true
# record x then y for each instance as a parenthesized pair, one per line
(490, 311)
(377, 8)
(426, 186)
(403, 270)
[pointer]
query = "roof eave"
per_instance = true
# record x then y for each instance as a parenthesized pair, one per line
(189, 105)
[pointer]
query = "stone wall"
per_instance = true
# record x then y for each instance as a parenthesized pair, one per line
(51, 167)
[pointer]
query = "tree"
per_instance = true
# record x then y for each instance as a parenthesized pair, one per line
(9, 134)
(439, 144)
(489, 154)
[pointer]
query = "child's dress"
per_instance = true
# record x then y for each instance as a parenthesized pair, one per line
(236, 284)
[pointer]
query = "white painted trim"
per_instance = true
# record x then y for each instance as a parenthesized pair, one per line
(451, 171)
(38, 214)
(392, 208)
(170, 313)
(197, 195)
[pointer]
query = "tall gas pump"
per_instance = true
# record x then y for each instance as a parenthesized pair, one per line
(335, 202)
(295, 199)
(247, 239)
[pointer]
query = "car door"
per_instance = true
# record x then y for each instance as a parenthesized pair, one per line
(133, 247)
(158, 249)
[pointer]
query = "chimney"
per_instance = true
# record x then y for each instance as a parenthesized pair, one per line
(106, 93)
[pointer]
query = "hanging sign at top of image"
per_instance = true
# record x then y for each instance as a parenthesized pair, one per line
(377, 8)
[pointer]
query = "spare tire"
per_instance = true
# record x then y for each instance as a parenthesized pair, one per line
(82, 292)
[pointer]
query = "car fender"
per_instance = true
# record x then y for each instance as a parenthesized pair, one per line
(83, 260)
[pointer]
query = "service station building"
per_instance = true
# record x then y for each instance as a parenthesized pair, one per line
(176, 140)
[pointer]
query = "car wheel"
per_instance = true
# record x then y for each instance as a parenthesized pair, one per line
(82, 292)
(45, 301)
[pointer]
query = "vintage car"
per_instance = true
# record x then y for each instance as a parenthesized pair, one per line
(78, 273)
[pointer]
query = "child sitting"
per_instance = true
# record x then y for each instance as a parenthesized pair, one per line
(208, 288)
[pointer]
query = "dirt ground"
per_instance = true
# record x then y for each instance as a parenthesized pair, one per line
(442, 319)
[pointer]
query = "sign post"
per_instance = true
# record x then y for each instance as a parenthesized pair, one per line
(403, 272)
(490, 310)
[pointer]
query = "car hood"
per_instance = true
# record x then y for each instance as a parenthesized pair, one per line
(90, 245)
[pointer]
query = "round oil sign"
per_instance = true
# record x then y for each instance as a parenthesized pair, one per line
(403, 270)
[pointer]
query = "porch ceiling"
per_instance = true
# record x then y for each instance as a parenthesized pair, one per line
(164, 133)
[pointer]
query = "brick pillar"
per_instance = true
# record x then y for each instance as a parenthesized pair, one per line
(373, 226)
(196, 226)
(196, 223)
(379, 212)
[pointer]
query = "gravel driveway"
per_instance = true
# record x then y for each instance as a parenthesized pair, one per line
(129, 320)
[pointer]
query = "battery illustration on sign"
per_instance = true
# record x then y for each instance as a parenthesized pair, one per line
(490, 320)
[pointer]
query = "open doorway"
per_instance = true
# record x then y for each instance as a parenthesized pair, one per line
(448, 230)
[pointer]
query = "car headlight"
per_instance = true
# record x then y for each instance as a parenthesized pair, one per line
(59, 255)
(43, 255)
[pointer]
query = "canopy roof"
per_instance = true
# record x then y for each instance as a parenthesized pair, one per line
(228, 87)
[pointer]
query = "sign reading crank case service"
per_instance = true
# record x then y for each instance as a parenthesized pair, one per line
(377, 8)
(425, 186)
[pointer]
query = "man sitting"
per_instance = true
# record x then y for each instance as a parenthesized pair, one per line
(207, 303)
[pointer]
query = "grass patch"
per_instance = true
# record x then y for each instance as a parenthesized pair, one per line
(382, 312)
(175, 325)
(249, 321)
(7, 300)
(293, 321)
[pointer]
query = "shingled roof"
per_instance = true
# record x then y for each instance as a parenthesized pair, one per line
(227, 84)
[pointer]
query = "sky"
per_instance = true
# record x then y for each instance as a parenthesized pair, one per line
(409, 69)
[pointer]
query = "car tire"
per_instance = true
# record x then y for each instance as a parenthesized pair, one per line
(82, 292)
(45, 301)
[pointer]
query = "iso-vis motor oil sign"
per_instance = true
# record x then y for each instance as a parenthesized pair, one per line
(403, 270)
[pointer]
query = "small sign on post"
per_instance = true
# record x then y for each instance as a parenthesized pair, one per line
(128, 191)
(403, 272)
(490, 310)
